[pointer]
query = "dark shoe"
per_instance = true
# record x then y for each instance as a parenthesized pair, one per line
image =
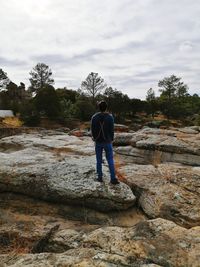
(99, 180)
(114, 181)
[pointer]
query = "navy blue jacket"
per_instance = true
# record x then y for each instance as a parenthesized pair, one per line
(102, 127)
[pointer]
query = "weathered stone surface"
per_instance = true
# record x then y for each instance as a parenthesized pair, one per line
(168, 190)
(27, 221)
(121, 128)
(123, 139)
(61, 169)
(58, 168)
(8, 131)
(17, 208)
(158, 241)
(151, 243)
(190, 130)
(164, 145)
(151, 156)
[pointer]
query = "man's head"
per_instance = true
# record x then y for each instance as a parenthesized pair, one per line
(102, 106)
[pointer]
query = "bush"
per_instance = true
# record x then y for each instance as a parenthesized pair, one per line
(84, 110)
(46, 102)
(197, 120)
(29, 114)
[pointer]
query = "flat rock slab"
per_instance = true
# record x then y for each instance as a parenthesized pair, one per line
(58, 168)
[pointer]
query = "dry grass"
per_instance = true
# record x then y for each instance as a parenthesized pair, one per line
(121, 176)
(15, 243)
(156, 160)
(166, 173)
(159, 117)
(12, 122)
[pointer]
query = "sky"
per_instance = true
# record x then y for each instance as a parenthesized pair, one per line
(131, 44)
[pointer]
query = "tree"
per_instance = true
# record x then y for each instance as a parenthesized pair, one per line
(40, 77)
(4, 100)
(29, 114)
(46, 102)
(118, 103)
(172, 93)
(68, 109)
(137, 105)
(152, 105)
(182, 90)
(93, 85)
(4, 80)
(172, 87)
(84, 109)
(67, 94)
(150, 95)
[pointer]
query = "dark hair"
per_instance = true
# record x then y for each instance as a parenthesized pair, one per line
(102, 106)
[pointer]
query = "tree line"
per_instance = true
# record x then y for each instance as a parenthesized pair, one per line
(41, 99)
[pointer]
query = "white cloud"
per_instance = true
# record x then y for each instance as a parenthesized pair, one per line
(131, 44)
(186, 46)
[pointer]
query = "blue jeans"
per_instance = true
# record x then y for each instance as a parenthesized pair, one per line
(99, 147)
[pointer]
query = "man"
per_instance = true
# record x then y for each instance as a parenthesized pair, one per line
(102, 128)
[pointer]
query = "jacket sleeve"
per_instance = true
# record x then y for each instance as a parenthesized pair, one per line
(112, 127)
(92, 128)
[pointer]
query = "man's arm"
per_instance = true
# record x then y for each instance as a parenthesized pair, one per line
(112, 127)
(92, 128)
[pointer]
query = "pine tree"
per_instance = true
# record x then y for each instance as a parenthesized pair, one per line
(40, 77)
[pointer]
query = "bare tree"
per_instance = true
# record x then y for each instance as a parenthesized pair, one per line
(93, 85)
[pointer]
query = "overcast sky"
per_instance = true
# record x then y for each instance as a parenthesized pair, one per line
(131, 43)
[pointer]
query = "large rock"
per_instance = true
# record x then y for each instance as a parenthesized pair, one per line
(151, 243)
(166, 190)
(156, 241)
(159, 166)
(121, 128)
(59, 168)
(177, 145)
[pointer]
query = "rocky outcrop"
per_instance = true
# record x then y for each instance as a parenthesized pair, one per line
(58, 168)
(169, 191)
(162, 168)
(50, 202)
(148, 146)
(25, 224)
(151, 243)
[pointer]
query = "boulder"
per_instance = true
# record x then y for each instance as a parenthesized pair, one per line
(167, 190)
(58, 168)
(123, 139)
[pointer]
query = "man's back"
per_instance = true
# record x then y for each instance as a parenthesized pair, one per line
(102, 127)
